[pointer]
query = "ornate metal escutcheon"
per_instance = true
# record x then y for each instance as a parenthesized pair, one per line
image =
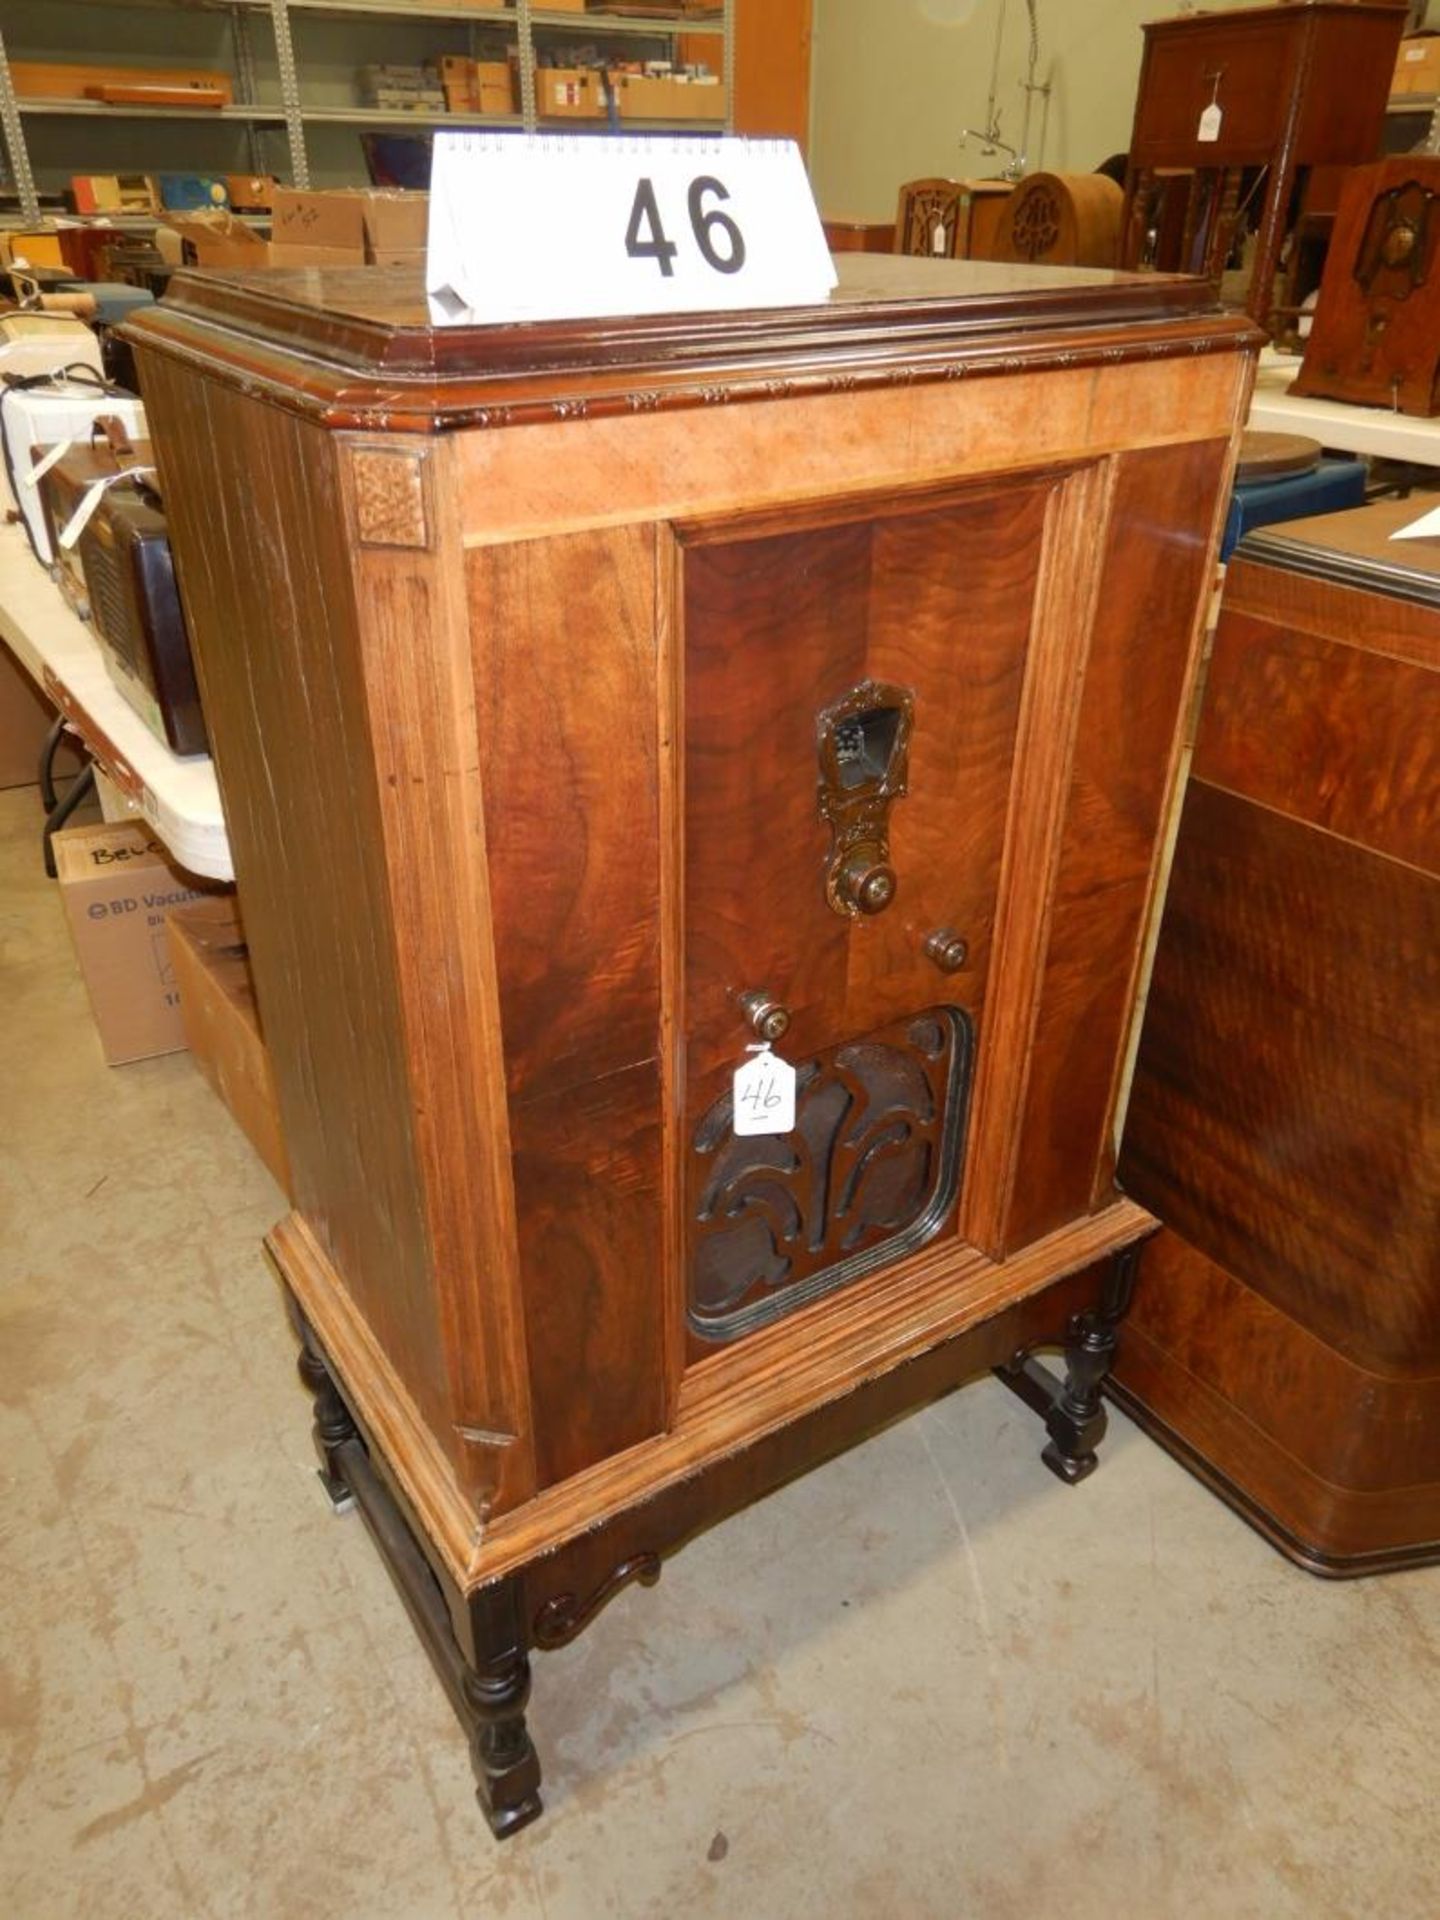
(864, 747)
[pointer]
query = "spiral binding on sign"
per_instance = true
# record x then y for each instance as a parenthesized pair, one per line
(632, 145)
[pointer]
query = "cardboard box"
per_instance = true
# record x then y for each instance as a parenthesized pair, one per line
(347, 227)
(1417, 65)
(215, 240)
(250, 192)
(477, 86)
(117, 884)
(673, 98)
(568, 93)
(222, 1023)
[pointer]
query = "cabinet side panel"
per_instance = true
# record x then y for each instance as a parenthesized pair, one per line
(1287, 1098)
(256, 517)
(1139, 667)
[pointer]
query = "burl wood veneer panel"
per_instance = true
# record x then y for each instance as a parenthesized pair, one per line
(1326, 732)
(273, 614)
(1284, 1110)
(1138, 671)
(778, 626)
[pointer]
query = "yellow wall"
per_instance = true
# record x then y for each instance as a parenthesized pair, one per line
(895, 80)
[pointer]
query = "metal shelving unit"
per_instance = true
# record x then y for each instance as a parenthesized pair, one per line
(292, 113)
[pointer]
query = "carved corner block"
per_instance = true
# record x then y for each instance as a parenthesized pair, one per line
(390, 494)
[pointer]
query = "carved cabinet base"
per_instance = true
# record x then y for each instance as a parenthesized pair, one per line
(479, 1641)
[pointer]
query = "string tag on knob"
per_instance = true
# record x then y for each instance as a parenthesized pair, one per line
(764, 1094)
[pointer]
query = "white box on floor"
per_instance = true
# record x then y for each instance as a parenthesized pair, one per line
(117, 883)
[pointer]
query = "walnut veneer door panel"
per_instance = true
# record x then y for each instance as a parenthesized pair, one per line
(932, 601)
(563, 633)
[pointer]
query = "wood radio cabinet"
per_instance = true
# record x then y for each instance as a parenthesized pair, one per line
(1266, 90)
(588, 699)
(1285, 1121)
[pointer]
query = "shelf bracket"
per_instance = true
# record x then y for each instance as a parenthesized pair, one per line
(20, 174)
(290, 94)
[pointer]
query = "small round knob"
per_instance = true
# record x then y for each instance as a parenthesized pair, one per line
(868, 884)
(947, 950)
(768, 1019)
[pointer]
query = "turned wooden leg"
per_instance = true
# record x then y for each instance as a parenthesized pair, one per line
(332, 1425)
(496, 1689)
(1072, 1409)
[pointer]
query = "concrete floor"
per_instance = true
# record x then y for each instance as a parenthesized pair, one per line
(927, 1680)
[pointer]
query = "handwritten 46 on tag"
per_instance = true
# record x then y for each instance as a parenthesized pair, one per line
(557, 226)
(763, 1099)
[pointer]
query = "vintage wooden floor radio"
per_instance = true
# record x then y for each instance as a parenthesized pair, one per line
(593, 700)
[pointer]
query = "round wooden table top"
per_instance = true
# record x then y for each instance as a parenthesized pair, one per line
(1270, 456)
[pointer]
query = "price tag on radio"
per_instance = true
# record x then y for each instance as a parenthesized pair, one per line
(764, 1095)
(585, 226)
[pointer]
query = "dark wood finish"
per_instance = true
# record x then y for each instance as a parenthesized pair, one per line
(1284, 1108)
(1298, 86)
(859, 236)
(931, 219)
(353, 347)
(1269, 456)
(1375, 336)
(646, 669)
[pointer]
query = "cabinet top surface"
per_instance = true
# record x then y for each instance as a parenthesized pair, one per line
(346, 341)
(1289, 12)
(1356, 549)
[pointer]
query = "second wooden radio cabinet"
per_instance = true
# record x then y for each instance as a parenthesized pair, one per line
(590, 698)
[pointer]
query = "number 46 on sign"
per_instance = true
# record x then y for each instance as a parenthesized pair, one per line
(555, 227)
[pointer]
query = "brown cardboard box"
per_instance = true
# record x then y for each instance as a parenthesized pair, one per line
(216, 239)
(317, 228)
(1417, 65)
(222, 1022)
(117, 883)
(250, 192)
(643, 98)
(347, 227)
(568, 93)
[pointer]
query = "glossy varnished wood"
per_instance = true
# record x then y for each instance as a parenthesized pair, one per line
(1286, 1343)
(595, 595)
(1150, 595)
(1287, 1075)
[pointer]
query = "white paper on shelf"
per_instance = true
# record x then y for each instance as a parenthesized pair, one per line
(1427, 527)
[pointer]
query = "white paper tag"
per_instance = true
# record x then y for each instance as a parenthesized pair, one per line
(1427, 527)
(1209, 127)
(90, 500)
(37, 473)
(764, 1095)
(632, 224)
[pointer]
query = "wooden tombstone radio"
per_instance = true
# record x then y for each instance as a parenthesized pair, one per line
(1375, 336)
(593, 700)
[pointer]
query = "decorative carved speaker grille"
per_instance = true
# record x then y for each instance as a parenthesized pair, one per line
(868, 1175)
